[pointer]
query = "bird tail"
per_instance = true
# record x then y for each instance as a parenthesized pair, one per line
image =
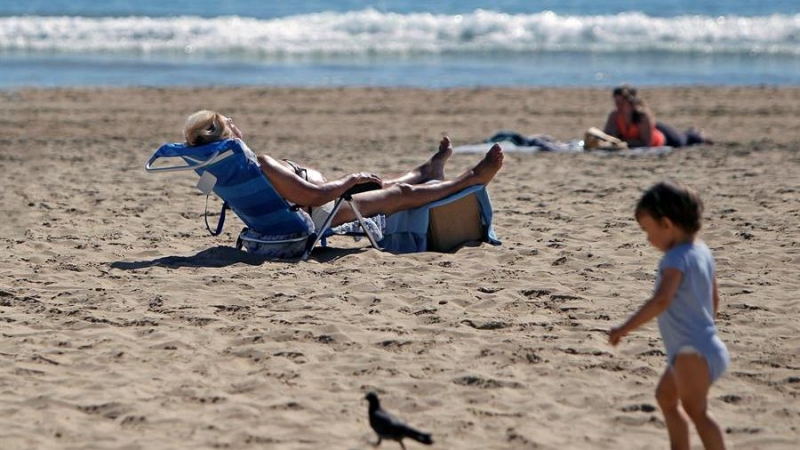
(424, 438)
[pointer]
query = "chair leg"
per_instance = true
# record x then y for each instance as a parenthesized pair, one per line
(319, 234)
(364, 226)
(327, 224)
(310, 244)
(239, 240)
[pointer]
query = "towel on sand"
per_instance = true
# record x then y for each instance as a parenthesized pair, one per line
(513, 142)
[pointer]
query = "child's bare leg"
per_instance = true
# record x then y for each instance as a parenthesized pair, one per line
(674, 416)
(433, 169)
(693, 381)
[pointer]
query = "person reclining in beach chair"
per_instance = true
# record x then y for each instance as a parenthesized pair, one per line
(302, 198)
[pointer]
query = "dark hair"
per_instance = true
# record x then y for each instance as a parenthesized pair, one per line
(624, 90)
(629, 93)
(675, 201)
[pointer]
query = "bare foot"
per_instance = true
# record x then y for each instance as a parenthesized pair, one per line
(706, 140)
(445, 148)
(434, 168)
(488, 167)
(702, 135)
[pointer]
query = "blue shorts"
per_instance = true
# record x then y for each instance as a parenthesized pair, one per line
(715, 353)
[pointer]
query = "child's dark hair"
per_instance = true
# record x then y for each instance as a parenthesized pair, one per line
(675, 201)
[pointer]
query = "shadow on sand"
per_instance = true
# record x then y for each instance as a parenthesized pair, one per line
(223, 256)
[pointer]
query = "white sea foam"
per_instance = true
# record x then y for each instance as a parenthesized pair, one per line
(369, 33)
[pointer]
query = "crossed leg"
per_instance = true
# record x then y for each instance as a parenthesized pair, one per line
(433, 169)
(402, 196)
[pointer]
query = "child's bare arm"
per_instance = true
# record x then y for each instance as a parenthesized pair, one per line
(716, 296)
(670, 281)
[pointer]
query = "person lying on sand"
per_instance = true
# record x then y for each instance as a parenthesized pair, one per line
(635, 123)
(301, 185)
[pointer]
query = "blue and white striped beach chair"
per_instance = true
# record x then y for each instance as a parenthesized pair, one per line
(277, 229)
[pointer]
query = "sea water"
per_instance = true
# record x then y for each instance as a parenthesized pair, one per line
(432, 44)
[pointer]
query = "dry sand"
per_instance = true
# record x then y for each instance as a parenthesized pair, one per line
(125, 326)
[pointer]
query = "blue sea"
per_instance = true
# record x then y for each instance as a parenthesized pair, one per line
(430, 44)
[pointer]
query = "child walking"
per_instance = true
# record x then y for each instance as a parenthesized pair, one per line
(686, 300)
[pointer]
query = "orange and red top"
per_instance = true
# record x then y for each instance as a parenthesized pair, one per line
(631, 131)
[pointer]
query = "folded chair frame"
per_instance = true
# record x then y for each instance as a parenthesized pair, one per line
(315, 237)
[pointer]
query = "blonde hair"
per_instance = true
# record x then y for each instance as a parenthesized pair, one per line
(204, 127)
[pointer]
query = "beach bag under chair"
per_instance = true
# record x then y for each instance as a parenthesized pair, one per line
(278, 230)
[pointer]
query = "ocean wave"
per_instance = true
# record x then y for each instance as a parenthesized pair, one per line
(374, 33)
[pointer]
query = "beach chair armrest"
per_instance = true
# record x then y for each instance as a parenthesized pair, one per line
(359, 188)
(149, 166)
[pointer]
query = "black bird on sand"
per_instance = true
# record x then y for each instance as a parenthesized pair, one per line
(389, 427)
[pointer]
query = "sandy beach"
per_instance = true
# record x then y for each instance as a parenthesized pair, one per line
(125, 326)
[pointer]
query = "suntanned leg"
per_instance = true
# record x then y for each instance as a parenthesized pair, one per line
(433, 169)
(674, 416)
(693, 381)
(405, 196)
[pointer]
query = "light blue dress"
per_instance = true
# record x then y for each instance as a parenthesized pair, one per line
(689, 319)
